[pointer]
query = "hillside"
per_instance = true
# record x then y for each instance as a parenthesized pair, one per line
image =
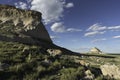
(29, 62)
(28, 53)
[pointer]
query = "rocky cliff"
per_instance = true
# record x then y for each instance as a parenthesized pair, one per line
(22, 25)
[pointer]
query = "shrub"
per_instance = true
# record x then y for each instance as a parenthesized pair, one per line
(72, 73)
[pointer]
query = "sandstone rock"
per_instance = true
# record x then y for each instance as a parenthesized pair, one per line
(54, 52)
(83, 63)
(89, 75)
(16, 24)
(110, 70)
(95, 50)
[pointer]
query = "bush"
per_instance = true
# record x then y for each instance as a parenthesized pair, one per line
(72, 73)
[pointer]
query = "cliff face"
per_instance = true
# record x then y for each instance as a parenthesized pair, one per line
(17, 24)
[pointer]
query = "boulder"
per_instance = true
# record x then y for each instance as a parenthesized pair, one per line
(21, 25)
(89, 75)
(110, 70)
(54, 52)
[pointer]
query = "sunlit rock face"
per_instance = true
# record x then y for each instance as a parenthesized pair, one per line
(95, 50)
(112, 71)
(18, 23)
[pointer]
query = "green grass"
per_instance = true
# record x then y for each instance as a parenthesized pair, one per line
(28, 62)
(31, 62)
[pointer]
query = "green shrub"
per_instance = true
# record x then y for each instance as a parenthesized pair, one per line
(72, 73)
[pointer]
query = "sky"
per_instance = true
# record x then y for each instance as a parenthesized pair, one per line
(79, 25)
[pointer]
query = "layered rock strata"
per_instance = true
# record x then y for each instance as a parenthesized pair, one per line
(22, 25)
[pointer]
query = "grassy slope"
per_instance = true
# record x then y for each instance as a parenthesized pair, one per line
(30, 62)
(33, 62)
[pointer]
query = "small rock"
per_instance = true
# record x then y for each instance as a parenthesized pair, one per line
(89, 75)
(54, 52)
(82, 62)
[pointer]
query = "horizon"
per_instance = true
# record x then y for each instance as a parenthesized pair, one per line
(79, 25)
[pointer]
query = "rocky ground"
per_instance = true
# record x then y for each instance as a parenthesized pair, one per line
(109, 64)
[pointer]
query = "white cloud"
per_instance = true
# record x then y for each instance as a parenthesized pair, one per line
(94, 33)
(51, 10)
(116, 28)
(54, 37)
(116, 37)
(21, 5)
(73, 30)
(98, 40)
(69, 5)
(96, 27)
(60, 28)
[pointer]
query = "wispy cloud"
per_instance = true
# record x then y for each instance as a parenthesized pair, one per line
(98, 40)
(94, 33)
(73, 30)
(96, 27)
(116, 37)
(60, 28)
(114, 28)
(99, 27)
(69, 5)
(54, 37)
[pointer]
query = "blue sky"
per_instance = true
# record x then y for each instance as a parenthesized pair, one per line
(79, 24)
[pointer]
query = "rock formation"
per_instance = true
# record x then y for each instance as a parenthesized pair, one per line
(54, 52)
(95, 50)
(89, 75)
(110, 70)
(21, 25)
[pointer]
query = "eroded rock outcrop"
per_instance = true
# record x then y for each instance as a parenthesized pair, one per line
(110, 70)
(89, 75)
(96, 51)
(21, 25)
(54, 52)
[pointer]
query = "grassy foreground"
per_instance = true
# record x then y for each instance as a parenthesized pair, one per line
(29, 62)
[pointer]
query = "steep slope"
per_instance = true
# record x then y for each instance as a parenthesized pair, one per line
(30, 62)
